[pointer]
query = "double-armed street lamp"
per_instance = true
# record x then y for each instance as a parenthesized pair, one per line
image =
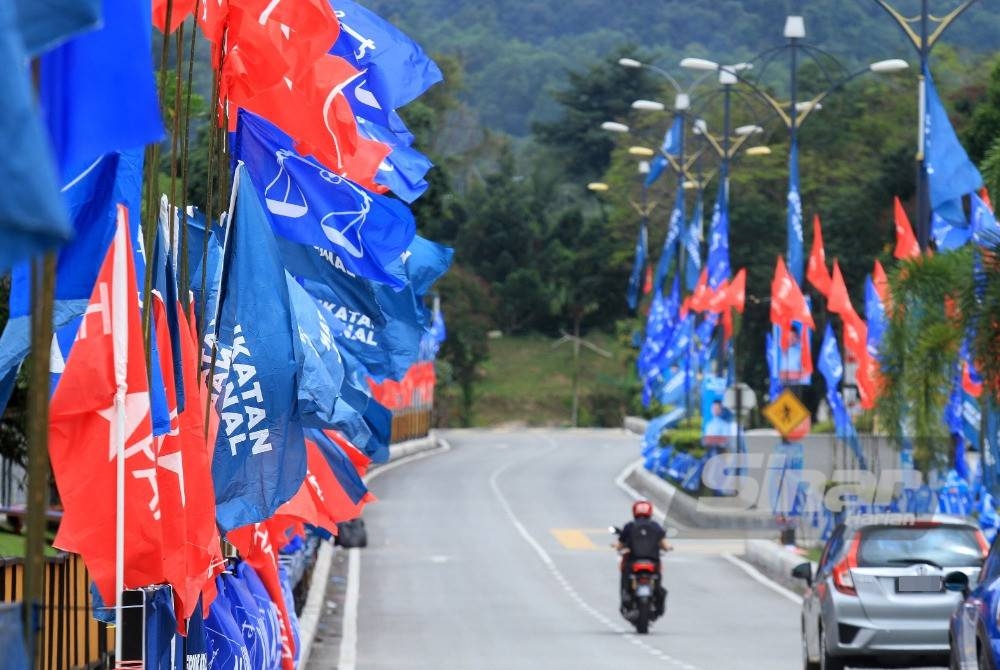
(794, 113)
(924, 37)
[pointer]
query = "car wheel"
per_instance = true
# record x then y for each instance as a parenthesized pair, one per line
(828, 662)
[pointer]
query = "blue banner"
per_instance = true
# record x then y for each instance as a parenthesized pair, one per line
(950, 173)
(794, 218)
(673, 239)
(718, 240)
(260, 457)
(309, 204)
(692, 244)
(638, 265)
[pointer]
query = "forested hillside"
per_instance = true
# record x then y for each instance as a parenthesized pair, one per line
(515, 53)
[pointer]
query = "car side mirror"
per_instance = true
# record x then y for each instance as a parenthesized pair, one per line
(803, 571)
(957, 582)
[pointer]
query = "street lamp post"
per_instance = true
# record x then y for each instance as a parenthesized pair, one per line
(923, 42)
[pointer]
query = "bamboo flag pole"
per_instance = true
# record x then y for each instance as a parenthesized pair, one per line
(43, 275)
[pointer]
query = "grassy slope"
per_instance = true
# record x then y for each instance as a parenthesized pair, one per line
(526, 380)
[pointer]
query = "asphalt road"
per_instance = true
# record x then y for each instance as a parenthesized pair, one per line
(495, 555)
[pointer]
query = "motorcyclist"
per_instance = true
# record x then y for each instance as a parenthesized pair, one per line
(642, 539)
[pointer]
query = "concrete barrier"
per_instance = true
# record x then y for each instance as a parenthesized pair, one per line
(635, 424)
(691, 512)
(775, 562)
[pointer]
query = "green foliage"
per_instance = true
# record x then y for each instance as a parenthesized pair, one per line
(468, 308)
(920, 350)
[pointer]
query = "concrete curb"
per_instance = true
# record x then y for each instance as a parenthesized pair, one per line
(776, 562)
(313, 608)
(690, 512)
(635, 424)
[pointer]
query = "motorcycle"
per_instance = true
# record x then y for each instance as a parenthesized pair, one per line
(643, 598)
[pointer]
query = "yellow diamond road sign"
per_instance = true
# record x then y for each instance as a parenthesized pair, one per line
(786, 413)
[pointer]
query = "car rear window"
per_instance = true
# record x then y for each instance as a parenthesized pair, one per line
(951, 546)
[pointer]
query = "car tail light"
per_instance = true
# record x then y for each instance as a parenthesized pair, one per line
(842, 579)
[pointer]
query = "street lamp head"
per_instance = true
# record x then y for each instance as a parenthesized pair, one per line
(645, 152)
(597, 186)
(648, 105)
(690, 184)
(629, 62)
(795, 27)
(682, 102)
(699, 64)
(748, 130)
(807, 104)
(890, 65)
(759, 151)
(700, 127)
(614, 127)
(727, 77)
(643, 167)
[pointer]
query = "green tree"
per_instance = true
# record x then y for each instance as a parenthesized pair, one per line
(468, 307)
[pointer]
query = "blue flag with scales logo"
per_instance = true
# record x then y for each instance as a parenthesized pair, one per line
(311, 205)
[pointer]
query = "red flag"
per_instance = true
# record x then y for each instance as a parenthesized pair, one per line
(787, 302)
(257, 548)
(718, 300)
(701, 294)
(984, 193)
(881, 282)
(906, 242)
(807, 357)
(837, 300)
(357, 457)
(816, 271)
(170, 471)
(179, 11)
(737, 291)
(204, 554)
(105, 389)
(727, 325)
(970, 385)
(329, 494)
(647, 285)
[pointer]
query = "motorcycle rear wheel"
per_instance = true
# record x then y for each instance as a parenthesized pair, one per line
(643, 616)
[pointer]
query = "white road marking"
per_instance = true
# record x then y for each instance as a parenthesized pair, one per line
(757, 576)
(349, 640)
(557, 574)
(349, 631)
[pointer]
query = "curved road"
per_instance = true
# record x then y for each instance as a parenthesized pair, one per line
(492, 556)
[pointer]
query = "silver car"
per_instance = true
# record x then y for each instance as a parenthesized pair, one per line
(877, 595)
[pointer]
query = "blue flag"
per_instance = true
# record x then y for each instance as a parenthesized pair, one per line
(771, 351)
(635, 279)
(692, 244)
(32, 216)
(949, 235)
(403, 170)
(309, 204)
(875, 316)
(98, 96)
(165, 290)
(656, 168)
(662, 319)
(268, 625)
(396, 69)
(718, 240)
(385, 346)
(195, 654)
(794, 219)
(425, 262)
(161, 629)
(12, 638)
(260, 457)
(985, 229)
(91, 204)
(204, 266)
(46, 23)
(950, 173)
(247, 615)
(991, 446)
(341, 466)
(672, 139)
(379, 422)
(673, 238)
(226, 647)
(321, 368)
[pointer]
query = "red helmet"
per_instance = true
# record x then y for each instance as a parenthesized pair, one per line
(642, 508)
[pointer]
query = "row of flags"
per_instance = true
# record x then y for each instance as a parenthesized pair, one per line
(245, 404)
